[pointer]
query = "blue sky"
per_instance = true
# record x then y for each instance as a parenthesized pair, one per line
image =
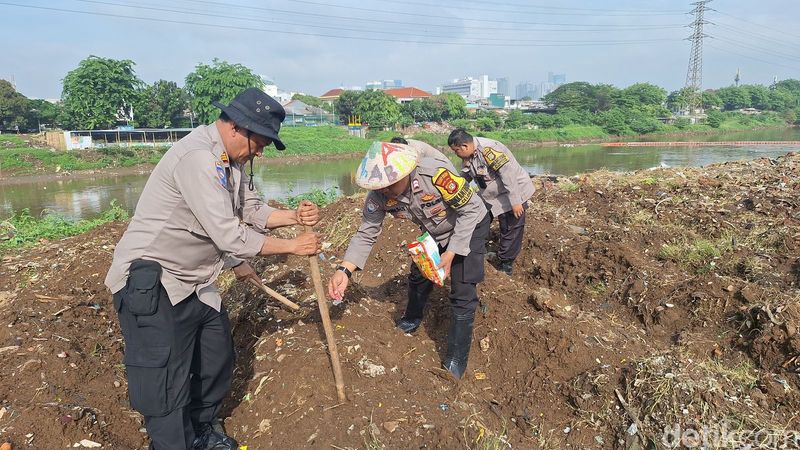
(314, 45)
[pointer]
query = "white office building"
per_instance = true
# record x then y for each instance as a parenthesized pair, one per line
(472, 89)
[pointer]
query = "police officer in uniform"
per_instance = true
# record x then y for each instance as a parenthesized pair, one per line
(197, 215)
(428, 192)
(503, 184)
(424, 149)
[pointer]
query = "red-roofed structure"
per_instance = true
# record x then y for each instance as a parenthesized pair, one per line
(331, 95)
(406, 94)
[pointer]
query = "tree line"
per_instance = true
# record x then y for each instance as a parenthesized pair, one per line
(102, 93)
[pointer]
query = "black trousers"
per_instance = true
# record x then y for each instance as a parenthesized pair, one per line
(179, 363)
(511, 233)
(465, 273)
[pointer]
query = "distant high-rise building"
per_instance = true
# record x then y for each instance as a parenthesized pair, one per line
(374, 85)
(556, 78)
(472, 89)
(545, 88)
(503, 87)
(526, 89)
(391, 84)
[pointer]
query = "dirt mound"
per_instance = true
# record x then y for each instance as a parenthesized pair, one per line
(658, 302)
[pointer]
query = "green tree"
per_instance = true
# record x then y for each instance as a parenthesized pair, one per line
(99, 93)
(734, 97)
(378, 109)
(347, 103)
(515, 119)
(710, 100)
(583, 96)
(161, 105)
(614, 122)
(422, 110)
(14, 107)
(678, 100)
(221, 81)
(308, 100)
(452, 106)
(44, 113)
(645, 94)
(715, 118)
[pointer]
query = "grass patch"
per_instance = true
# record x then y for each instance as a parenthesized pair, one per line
(22, 229)
(699, 256)
(22, 160)
(674, 391)
(11, 140)
(328, 140)
(568, 186)
(320, 197)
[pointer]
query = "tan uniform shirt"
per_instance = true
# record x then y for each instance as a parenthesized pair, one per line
(502, 182)
(191, 219)
(426, 150)
(437, 199)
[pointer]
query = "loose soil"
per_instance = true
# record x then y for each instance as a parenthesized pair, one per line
(663, 298)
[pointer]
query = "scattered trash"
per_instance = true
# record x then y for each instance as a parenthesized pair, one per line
(370, 369)
(480, 376)
(89, 444)
(444, 406)
(485, 344)
(390, 426)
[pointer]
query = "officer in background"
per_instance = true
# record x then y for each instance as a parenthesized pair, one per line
(424, 149)
(503, 184)
(428, 192)
(197, 215)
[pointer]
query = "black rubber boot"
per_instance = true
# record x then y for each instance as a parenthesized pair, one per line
(419, 289)
(458, 344)
(506, 265)
(207, 438)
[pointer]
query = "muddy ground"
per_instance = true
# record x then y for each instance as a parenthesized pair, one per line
(661, 300)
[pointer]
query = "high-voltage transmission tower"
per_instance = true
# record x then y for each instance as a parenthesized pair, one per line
(694, 76)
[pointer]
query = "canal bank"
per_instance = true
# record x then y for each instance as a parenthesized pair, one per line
(88, 194)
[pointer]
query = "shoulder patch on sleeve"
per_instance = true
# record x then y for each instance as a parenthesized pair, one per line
(494, 159)
(454, 189)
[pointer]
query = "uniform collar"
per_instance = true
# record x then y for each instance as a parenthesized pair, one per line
(217, 148)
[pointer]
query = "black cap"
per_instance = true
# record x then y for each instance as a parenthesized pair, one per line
(256, 111)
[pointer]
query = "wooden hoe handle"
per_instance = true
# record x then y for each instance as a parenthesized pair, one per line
(326, 324)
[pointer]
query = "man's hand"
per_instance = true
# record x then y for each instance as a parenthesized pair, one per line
(337, 285)
(244, 271)
(518, 210)
(307, 213)
(447, 261)
(306, 244)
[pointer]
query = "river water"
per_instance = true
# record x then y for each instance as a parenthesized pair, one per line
(88, 197)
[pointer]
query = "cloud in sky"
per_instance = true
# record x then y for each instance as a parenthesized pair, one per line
(314, 45)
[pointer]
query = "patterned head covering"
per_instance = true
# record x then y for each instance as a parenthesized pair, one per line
(385, 164)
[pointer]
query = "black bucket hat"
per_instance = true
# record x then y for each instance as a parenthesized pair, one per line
(256, 111)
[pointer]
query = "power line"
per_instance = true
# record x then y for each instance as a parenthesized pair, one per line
(753, 34)
(594, 13)
(753, 58)
(754, 47)
(768, 27)
(250, 19)
(519, 5)
(327, 16)
(359, 30)
(185, 22)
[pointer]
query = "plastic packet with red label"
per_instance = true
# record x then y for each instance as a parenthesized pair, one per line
(425, 253)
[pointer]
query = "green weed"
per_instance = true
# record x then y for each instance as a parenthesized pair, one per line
(22, 229)
(320, 197)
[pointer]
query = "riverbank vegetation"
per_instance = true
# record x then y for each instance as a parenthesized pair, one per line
(22, 229)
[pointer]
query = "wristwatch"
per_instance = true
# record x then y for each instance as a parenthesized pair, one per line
(345, 270)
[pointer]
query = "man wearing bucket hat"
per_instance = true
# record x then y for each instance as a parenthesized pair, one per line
(428, 192)
(503, 184)
(197, 215)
